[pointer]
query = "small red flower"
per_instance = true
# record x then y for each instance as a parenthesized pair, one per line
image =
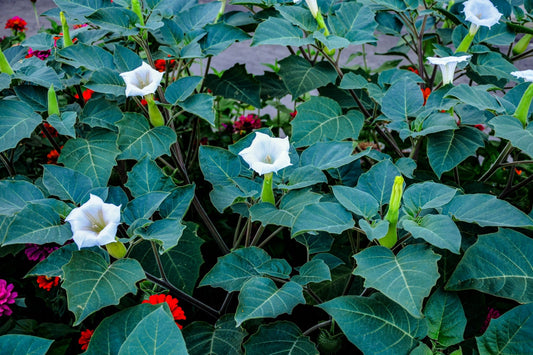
(161, 64)
(50, 129)
(518, 171)
(414, 70)
(17, 24)
(87, 94)
(293, 114)
(172, 302)
(46, 282)
(426, 92)
(53, 156)
(85, 338)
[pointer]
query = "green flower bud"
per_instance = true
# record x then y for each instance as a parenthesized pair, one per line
(521, 46)
(53, 107)
(4, 64)
(390, 239)
(156, 118)
(64, 27)
(267, 194)
(136, 7)
(116, 249)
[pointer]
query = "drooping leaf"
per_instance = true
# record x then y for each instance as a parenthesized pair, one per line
(91, 283)
(328, 155)
(438, 230)
(280, 338)
(509, 334)
(260, 298)
(402, 100)
(376, 324)
(223, 338)
(89, 57)
(182, 88)
(235, 83)
(143, 206)
(52, 265)
(498, 264)
(220, 36)
(177, 204)
(446, 317)
(166, 231)
(406, 278)
(200, 105)
(301, 77)
(24, 344)
(354, 22)
(359, 202)
(17, 121)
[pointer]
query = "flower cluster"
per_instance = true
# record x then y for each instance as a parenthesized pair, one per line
(7, 296)
(85, 338)
(17, 24)
(35, 252)
(42, 55)
(177, 311)
(161, 64)
(46, 282)
(246, 124)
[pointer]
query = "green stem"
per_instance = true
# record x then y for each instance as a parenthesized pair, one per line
(36, 14)
(496, 165)
(467, 41)
(267, 195)
(4, 64)
(523, 106)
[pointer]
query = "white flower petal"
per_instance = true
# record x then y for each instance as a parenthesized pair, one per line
(527, 75)
(447, 66)
(267, 154)
(313, 7)
(85, 239)
(481, 12)
(142, 81)
(107, 235)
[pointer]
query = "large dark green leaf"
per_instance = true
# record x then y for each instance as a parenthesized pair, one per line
(81, 8)
(200, 105)
(429, 194)
(15, 194)
(166, 232)
(116, 19)
(449, 148)
(354, 22)
(220, 36)
(261, 298)
(235, 83)
(17, 121)
(328, 217)
(89, 57)
(125, 59)
(402, 100)
(321, 119)
(182, 88)
(328, 155)
(280, 338)
(143, 206)
(107, 81)
(222, 338)
(52, 265)
(438, 230)
(509, 127)
(376, 324)
(509, 334)
(24, 344)
(378, 181)
(359, 202)
(301, 77)
(315, 270)
(101, 113)
(446, 317)
(65, 183)
(279, 31)
(197, 16)
(91, 283)
(498, 264)
(406, 278)
(146, 176)
(476, 96)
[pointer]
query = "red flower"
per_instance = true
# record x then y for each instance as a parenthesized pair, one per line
(85, 338)
(245, 124)
(17, 24)
(293, 114)
(79, 26)
(414, 70)
(87, 94)
(425, 93)
(50, 130)
(46, 282)
(161, 64)
(176, 310)
(53, 156)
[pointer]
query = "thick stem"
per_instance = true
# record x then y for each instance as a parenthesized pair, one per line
(497, 164)
(466, 42)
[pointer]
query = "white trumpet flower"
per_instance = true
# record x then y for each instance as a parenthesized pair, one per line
(527, 75)
(481, 13)
(266, 154)
(141, 81)
(94, 223)
(447, 66)
(312, 5)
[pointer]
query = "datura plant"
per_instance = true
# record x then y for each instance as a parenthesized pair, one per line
(153, 200)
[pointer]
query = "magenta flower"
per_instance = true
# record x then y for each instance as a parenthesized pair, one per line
(7, 296)
(492, 314)
(42, 55)
(35, 252)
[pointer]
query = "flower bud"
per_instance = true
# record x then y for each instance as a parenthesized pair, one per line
(64, 27)
(389, 240)
(136, 7)
(521, 46)
(116, 249)
(53, 107)
(4, 64)
(156, 118)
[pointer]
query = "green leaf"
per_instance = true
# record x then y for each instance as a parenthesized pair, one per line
(375, 324)
(182, 88)
(406, 278)
(15, 194)
(486, 210)
(170, 33)
(24, 344)
(38, 223)
(280, 338)
(498, 264)
(303, 177)
(233, 270)
(321, 119)
(220, 36)
(509, 334)
(35, 96)
(448, 149)
(166, 231)
(17, 121)
(378, 181)
(359, 202)
(510, 128)
(101, 113)
(301, 77)
(197, 16)
(377, 230)
(281, 32)
(200, 105)
(65, 183)
(136, 138)
(146, 176)
(91, 283)
(64, 124)
(89, 57)
(177, 204)
(119, 20)
(143, 206)
(428, 194)
(81, 8)
(354, 22)
(52, 265)
(260, 298)
(218, 165)
(446, 317)
(35, 71)
(107, 81)
(434, 123)
(145, 327)
(328, 217)
(125, 59)
(93, 157)
(493, 65)
(222, 338)
(402, 100)
(328, 155)
(438, 230)
(299, 16)
(476, 96)
(235, 83)
(318, 243)
(315, 270)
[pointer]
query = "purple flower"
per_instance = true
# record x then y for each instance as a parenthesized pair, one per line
(7, 296)
(35, 252)
(42, 55)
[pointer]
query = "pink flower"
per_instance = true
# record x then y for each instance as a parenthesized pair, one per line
(492, 314)
(7, 296)
(42, 55)
(35, 252)
(245, 124)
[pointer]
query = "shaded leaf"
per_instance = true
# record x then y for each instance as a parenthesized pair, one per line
(280, 338)
(222, 338)
(446, 317)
